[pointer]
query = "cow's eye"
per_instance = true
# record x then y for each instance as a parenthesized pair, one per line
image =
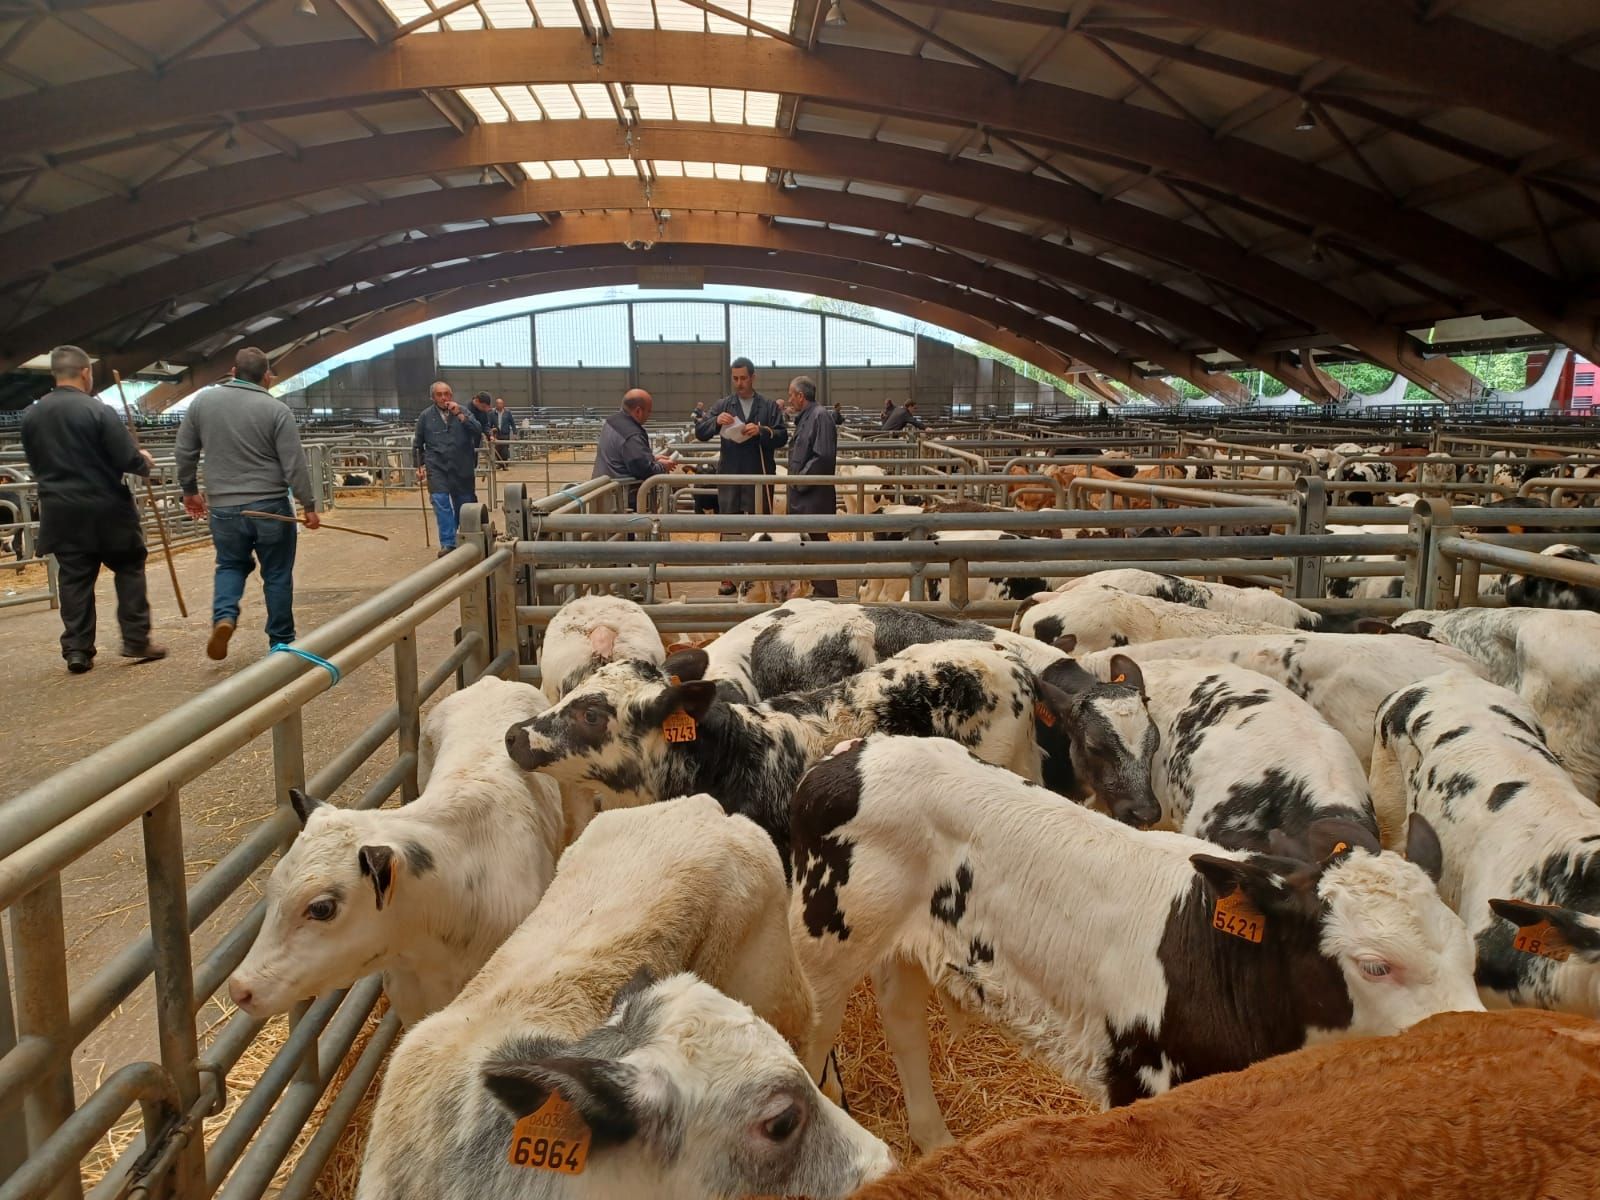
(1374, 968)
(781, 1126)
(594, 716)
(321, 910)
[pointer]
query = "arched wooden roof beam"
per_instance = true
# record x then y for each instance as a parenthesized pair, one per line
(592, 266)
(230, 189)
(338, 74)
(691, 223)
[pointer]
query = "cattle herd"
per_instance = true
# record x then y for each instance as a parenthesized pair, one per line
(1271, 876)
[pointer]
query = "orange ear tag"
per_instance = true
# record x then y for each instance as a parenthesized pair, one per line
(1338, 848)
(1120, 679)
(1236, 916)
(551, 1138)
(1543, 939)
(680, 727)
(674, 680)
(1045, 713)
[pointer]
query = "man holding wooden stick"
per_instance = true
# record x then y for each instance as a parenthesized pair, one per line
(79, 451)
(253, 458)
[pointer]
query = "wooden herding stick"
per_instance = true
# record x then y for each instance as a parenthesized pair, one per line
(150, 495)
(266, 516)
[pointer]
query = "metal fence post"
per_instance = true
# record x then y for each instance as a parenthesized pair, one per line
(408, 732)
(40, 953)
(289, 771)
(1438, 582)
(1311, 517)
(475, 616)
(13, 1132)
(174, 976)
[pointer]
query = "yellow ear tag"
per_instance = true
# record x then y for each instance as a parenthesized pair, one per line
(1045, 713)
(1543, 939)
(1236, 916)
(680, 727)
(1120, 679)
(551, 1138)
(1339, 848)
(674, 680)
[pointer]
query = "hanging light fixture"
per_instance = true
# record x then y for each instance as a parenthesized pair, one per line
(630, 102)
(835, 17)
(1307, 121)
(985, 150)
(485, 177)
(305, 8)
(1315, 254)
(194, 233)
(232, 140)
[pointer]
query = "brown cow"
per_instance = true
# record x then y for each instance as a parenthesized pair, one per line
(1470, 1106)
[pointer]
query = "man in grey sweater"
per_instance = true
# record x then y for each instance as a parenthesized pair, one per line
(252, 458)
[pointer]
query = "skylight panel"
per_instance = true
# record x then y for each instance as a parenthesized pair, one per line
(698, 170)
(594, 101)
(761, 108)
(465, 18)
(674, 14)
(557, 101)
(507, 14)
(726, 170)
(486, 104)
(536, 170)
(778, 14)
(406, 11)
(655, 101)
(594, 167)
(564, 168)
(519, 101)
(691, 103)
(558, 14)
(632, 14)
(753, 174)
(667, 168)
(727, 106)
(624, 167)
(716, 24)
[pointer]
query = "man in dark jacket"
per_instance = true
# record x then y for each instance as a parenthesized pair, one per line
(624, 451)
(445, 450)
(814, 450)
(502, 429)
(758, 424)
(79, 452)
(905, 415)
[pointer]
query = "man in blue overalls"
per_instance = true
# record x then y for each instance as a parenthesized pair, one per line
(445, 450)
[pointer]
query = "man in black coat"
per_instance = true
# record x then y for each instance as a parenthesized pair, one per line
(624, 450)
(79, 452)
(814, 450)
(903, 416)
(445, 452)
(759, 423)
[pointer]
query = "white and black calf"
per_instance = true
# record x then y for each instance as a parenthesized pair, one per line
(642, 739)
(1242, 758)
(1251, 604)
(1343, 676)
(1536, 591)
(1097, 618)
(1550, 659)
(1128, 961)
(589, 631)
(1521, 844)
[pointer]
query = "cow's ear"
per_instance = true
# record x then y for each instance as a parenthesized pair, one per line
(1333, 838)
(1027, 603)
(1416, 629)
(1065, 679)
(693, 698)
(381, 865)
(1374, 625)
(303, 805)
(1423, 847)
(687, 663)
(600, 1091)
(1269, 889)
(1577, 933)
(1125, 671)
(1066, 643)
(640, 981)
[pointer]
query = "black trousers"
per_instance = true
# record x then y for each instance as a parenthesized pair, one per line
(76, 572)
(826, 589)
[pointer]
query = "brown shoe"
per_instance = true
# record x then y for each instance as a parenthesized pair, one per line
(217, 643)
(149, 652)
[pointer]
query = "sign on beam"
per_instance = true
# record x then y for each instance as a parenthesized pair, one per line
(673, 277)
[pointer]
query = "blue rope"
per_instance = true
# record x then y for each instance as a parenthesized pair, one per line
(309, 657)
(576, 499)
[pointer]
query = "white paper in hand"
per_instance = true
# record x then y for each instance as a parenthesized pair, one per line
(735, 433)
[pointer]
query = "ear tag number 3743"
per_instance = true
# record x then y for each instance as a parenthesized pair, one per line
(1236, 916)
(551, 1138)
(680, 727)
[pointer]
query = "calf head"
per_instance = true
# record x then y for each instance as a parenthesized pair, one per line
(1109, 736)
(685, 1092)
(1554, 937)
(609, 730)
(1374, 949)
(331, 907)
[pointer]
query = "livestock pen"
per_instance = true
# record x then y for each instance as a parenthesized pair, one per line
(496, 596)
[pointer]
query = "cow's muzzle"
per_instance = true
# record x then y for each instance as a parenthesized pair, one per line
(528, 749)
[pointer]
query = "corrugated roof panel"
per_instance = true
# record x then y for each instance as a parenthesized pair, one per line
(594, 100)
(558, 102)
(691, 103)
(485, 103)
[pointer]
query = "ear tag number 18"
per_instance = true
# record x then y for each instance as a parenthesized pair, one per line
(551, 1138)
(680, 727)
(1236, 916)
(1543, 939)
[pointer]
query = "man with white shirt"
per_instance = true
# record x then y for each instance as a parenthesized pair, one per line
(751, 449)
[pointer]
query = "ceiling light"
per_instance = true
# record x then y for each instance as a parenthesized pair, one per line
(1315, 255)
(1307, 121)
(194, 233)
(305, 8)
(789, 181)
(409, 237)
(486, 177)
(630, 102)
(772, 254)
(895, 241)
(835, 17)
(232, 140)
(986, 150)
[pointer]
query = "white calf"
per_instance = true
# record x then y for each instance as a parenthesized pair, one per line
(590, 631)
(1549, 658)
(1521, 844)
(1098, 618)
(668, 1091)
(1344, 676)
(423, 893)
(1128, 961)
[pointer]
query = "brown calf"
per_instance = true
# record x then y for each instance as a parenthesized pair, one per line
(1469, 1106)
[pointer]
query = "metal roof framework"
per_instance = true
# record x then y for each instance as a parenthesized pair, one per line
(1130, 190)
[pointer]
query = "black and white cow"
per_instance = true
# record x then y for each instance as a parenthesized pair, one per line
(1521, 844)
(1128, 961)
(640, 739)
(1344, 676)
(1369, 472)
(1097, 618)
(1536, 591)
(1241, 757)
(1550, 659)
(1252, 604)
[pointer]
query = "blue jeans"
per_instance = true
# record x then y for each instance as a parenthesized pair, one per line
(241, 542)
(447, 511)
